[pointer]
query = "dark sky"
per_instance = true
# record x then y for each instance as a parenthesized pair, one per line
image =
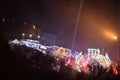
(59, 17)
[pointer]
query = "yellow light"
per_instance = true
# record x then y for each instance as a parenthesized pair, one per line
(34, 27)
(111, 35)
(115, 38)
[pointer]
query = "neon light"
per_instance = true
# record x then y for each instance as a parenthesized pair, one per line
(77, 60)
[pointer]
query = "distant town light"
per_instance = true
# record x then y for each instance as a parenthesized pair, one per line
(34, 27)
(23, 34)
(30, 35)
(3, 19)
(38, 36)
(25, 23)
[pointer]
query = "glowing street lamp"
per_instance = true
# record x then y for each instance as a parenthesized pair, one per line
(3, 20)
(34, 27)
(30, 35)
(23, 34)
(38, 36)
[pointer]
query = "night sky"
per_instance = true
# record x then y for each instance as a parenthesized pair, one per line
(59, 17)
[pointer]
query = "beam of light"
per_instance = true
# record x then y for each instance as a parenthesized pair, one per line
(110, 35)
(77, 23)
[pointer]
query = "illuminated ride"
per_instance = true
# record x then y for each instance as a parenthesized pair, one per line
(77, 61)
